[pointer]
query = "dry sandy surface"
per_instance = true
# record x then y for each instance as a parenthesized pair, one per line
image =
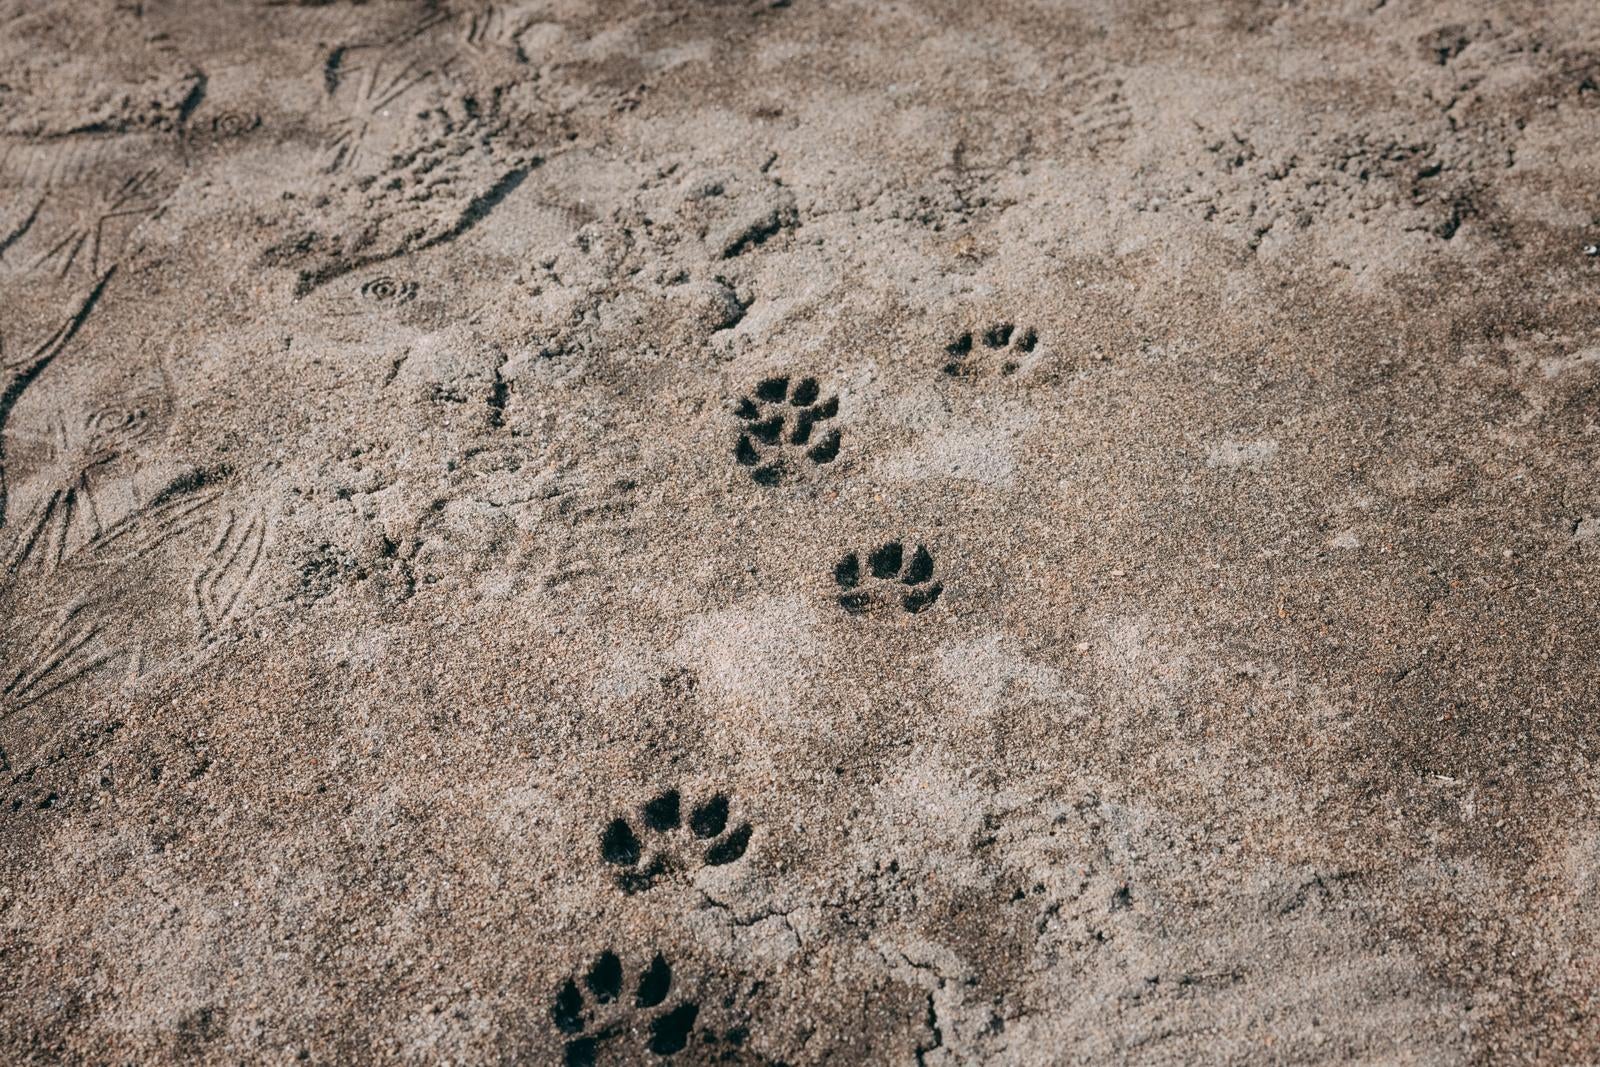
(816, 532)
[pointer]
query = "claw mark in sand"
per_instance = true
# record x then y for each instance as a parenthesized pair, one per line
(143, 193)
(16, 231)
(66, 651)
(229, 567)
(20, 373)
(80, 446)
(374, 94)
(169, 514)
(491, 28)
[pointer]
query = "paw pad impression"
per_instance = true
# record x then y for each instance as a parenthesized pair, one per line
(646, 859)
(890, 574)
(1005, 340)
(781, 418)
(668, 1029)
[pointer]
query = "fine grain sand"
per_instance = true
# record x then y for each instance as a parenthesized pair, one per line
(826, 531)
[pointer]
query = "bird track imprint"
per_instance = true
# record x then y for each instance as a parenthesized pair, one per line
(668, 1029)
(779, 418)
(889, 577)
(662, 817)
(1008, 343)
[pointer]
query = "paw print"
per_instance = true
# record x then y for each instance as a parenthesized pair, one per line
(890, 576)
(778, 417)
(662, 817)
(669, 1029)
(1010, 344)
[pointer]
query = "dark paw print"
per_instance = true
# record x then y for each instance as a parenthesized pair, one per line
(668, 1029)
(779, 418)
(662, 818)
(1005, 340)
(889, 577)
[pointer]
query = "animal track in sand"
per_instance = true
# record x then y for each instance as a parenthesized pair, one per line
(645, 860)
(889, 577)
(1008, 345)
(82, 236)
(669, 1029)
(780, 416)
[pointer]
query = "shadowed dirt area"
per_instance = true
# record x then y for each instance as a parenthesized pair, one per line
(799, 532)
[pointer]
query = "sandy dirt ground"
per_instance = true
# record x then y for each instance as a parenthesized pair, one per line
(923, 532)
